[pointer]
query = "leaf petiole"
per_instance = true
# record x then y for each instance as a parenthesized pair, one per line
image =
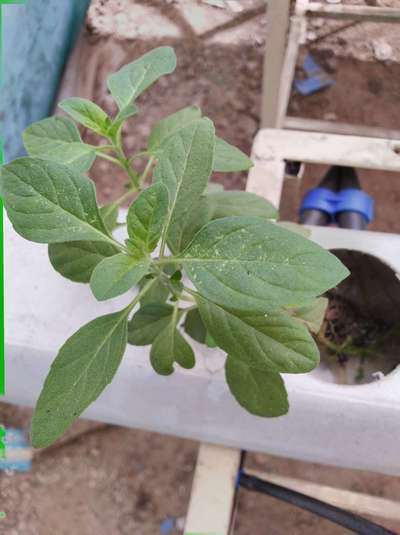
(140, 154)
(146, 171)
(165, 260)
(109, 158)
(104, 147)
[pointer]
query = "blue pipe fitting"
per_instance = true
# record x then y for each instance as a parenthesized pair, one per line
(347, 200)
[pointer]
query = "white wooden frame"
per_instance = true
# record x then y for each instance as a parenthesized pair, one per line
(272, 147)
(280, 61)
(212, 499)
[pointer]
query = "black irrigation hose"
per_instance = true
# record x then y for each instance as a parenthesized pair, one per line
(354, 523)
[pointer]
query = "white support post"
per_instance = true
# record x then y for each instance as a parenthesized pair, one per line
(213, 491)
(275, 45)
(296, 34)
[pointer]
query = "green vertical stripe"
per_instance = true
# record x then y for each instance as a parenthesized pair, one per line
(2, 364)
(2, 442)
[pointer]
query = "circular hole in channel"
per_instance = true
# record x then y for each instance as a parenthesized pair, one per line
(359, 340)
(396, 149)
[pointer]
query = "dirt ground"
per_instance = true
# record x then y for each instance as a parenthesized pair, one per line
(107, 480)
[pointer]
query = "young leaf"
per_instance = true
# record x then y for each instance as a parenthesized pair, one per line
(312, 315)
(77, 260)
(272, 342)
(170, 347)
(109, 215)
(116, 275)
(84, 366)
(130, 81)
(236, 203)
(87, 113)
(50, 203)
(184, 167)
(148, 322)
(195, 327)
(229, 159)
(250, 263)
(122, 115)
(171, 125)
(57, 139)
(146, 218)
(259, 392)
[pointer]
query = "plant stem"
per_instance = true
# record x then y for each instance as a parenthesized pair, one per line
(139, 296)
(125, 196)
(186, 299)
(167, 282)
(122, 160)
(146, 171)
(175, 314)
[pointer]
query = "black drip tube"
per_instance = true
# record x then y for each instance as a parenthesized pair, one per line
(352, 522)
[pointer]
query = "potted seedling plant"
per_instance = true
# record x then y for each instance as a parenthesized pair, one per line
(199, 262)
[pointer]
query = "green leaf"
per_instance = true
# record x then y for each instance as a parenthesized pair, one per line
(84, 366)
(184, 167)
(189, 224)
(170, 126)
(130, 81)
(116, 275)
(312, 315)
(237, 203)
(259, 392)
(272, 342)
(195, 327)
(148, 322)
(50, 203)
(87, 113)
(216, 206)
(57, 139)
(109, 214)
(228, 158)
(210, 342)
(250, 263)
(158, 293)
(170, 347)
(77, 260)
(146, 218)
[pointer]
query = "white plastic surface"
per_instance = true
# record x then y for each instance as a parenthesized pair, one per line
(350, 426)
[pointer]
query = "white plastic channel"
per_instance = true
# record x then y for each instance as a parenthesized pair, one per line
(350, 426)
